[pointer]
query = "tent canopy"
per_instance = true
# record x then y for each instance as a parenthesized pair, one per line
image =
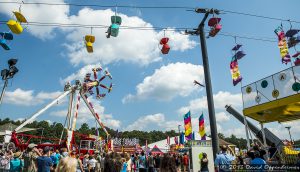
(156, 150)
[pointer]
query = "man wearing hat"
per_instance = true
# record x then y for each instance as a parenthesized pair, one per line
(30, 156)
(44, 162)
(223, 160)
(16, 164)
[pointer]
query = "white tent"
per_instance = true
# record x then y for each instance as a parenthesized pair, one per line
(163, 146)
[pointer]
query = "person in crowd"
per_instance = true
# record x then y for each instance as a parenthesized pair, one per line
(142, 162)
(16, 164)
(128, 161)
(223, 160)
(298, 160)
(109, 165)
(185, 160)
(5, 158)
(118, 162)
(124, 165)
(168, 164)
(177, 161)
(102, 162)
(157, 162)
(204, 163)
(58, 156)
(98, 159)
(150, 163)
(85, 161)
(30, 156)
(44, 162)
(79, 166)
(64, 153)
(272, 150)
(67, 164)
(258, 162)
(262, 152)
(240, 160)
(92, 164)
(53, 158)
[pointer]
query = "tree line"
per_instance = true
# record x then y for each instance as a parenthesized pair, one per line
(55, 130)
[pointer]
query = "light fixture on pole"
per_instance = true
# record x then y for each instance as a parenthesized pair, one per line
(289, 129)
(8, 74)
(210, 101)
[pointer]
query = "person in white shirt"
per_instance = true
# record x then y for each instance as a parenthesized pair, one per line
(92, 164)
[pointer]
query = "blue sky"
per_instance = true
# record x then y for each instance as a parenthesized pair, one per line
(152, 91)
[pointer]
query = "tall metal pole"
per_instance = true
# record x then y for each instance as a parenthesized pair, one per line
(289, 129)
(3, 90)
(209, 94)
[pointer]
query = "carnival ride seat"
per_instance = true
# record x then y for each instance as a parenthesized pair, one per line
(165, 46)
(5, 36)
(89, 40)
(213, 23)
(113, 29)
(15, 25)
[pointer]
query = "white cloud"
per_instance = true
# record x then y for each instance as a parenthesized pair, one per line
(280, 131)
(85, 116)
(145, 121)
(220, 100)
(28, 98)
(40, 13)
(222, 117)
(168, 82)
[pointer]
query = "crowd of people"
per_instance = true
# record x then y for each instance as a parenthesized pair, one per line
(50, 160)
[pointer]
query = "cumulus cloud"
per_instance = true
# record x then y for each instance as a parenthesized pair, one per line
(28, 98)
(280, 131)
(153, 122)
(40, 13)
(85, 116)
(220, 100)
(222, 117)
(175, 79)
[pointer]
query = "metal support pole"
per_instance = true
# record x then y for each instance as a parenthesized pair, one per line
(70, 107)
(263, 134)
(247, 132)
(43, 110)
(289, 129)
(209, 94)
(3, 90)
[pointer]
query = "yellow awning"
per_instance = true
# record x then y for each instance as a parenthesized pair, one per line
(281, 110)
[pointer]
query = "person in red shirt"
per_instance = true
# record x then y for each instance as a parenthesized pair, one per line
(185, 160)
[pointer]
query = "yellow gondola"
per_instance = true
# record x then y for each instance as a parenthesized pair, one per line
(89, 40)
(15, 25)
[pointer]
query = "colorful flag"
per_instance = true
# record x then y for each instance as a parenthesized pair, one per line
(188, 126)
(282, 45)
(181, 138)
(235, 72)
(202, 127)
